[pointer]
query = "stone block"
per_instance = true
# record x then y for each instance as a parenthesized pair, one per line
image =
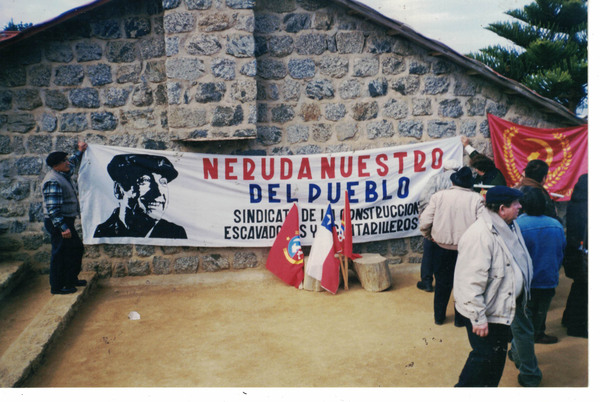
(320, 89)
(270, 69)
(311, 44)
(185, 68)
(136, 27)
(152, 48)
(350, 42)
(225, 116)
(68, 75)
(122, 51)
(85, 98)
(240, 45)
(59, 52)
(365, 110)
(20, 122)
(269, 135)
(411, 129)
(395, 109)
(99, 74)
(266, 23)
(39, 75)
(106, 29)
(73, 122)
(214, 263)
(280, 46)
(335, 111)
(5, 100)
(27, 99)
(223, 68)
(186, 265)
(88, 51)
(296, 22)
(203, 45)
(115, 97)
(380, 129)
(301, 68)
(441, 129)
(179, 22)
(297, 133)
(104, 121)
(210, 92)
(322, 132)
(450, 108)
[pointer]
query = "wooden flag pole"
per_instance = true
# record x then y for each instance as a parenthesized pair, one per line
(345, 272)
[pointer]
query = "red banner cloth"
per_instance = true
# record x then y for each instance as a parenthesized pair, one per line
(286, 259)
(346, 231)
(565, 150)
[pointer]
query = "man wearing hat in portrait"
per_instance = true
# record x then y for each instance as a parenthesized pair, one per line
(449, 213)
(61, 207)
(140, 186)
(491, 283)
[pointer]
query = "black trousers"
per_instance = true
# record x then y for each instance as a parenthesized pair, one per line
(485, 363)
(427, 261)
(65, 262)
(444, 262)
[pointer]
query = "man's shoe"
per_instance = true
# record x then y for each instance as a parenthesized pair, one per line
(80, 282)
(546, 339)
(63, 291)
(439, 321)
(426, 286)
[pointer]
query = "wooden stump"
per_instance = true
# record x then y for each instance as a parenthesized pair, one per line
(373, 272)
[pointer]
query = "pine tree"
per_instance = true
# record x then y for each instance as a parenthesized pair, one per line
(11, 26)
(550, 52)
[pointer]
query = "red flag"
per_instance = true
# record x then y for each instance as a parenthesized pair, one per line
(565, 150)
(286, 258)
(346, 231)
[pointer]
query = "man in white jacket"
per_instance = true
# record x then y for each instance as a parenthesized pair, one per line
(492, 278)
(449, 213)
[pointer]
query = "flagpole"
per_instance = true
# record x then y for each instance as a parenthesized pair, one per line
(345, 272)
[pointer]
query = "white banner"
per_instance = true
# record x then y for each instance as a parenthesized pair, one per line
(187, 199)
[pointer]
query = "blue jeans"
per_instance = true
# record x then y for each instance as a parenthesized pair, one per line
(522, 347)
(485, 363)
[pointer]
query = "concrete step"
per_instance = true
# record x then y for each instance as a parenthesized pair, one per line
(11, 274)
(27, 350)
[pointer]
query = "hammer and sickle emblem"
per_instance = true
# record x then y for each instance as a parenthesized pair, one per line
(545, 146)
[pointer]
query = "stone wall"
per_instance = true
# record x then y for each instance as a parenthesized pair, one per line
(265, 77)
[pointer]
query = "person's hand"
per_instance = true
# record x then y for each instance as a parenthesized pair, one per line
(465, 141)
(66, 234)
(82, 146)
(481, 330)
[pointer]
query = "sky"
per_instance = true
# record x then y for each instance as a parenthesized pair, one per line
(456, 23)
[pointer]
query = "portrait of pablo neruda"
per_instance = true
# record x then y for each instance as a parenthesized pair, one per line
(141, 188)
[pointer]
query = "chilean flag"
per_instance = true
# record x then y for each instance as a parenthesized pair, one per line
(322, 263)
(286, 258)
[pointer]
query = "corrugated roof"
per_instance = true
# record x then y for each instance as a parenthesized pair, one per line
(396, 28)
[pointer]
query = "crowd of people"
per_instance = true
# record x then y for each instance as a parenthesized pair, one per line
(500, 249)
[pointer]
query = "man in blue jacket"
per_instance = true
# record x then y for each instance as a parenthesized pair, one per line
(545, 240)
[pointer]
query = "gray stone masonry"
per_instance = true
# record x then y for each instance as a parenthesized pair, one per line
(271, 77)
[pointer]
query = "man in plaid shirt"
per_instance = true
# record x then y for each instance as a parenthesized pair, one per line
(61, 207)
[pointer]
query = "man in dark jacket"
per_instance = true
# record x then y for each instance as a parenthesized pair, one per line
(61, 207)
(487, 172)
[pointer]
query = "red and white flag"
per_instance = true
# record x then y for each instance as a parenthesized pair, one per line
(345, 233)
(286, 259)
(322, 264)
(565, 150)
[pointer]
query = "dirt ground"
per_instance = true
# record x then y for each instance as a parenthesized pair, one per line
(258, 332)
